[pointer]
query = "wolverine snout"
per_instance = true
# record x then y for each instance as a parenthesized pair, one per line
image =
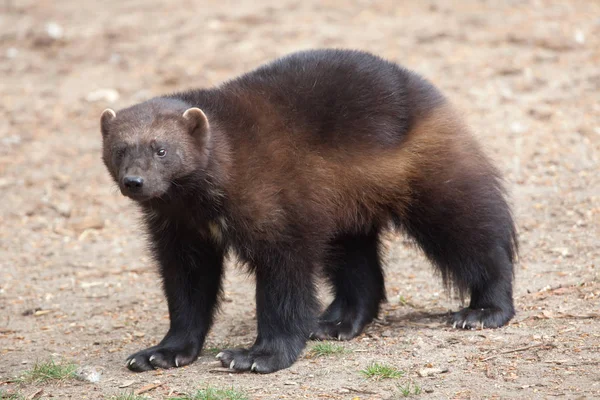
(133, 182)
(133, 186)
(141, 187)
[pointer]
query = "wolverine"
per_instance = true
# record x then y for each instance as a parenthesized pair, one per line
(298, 167)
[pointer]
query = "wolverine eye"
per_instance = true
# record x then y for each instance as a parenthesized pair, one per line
(161, 153)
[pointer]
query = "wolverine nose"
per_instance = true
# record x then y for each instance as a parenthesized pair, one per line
(133, 182)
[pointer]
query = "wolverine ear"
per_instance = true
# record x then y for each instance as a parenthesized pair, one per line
(107, 116)
(198, 123)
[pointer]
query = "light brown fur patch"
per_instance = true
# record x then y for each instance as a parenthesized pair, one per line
(342, 189)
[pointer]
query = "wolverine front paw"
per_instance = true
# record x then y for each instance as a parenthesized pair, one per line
(260, 359)
(170, 354)
(480, 318)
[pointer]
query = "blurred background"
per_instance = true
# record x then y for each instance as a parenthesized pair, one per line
(77, 285)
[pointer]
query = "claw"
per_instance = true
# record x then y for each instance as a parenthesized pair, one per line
(176, 362)
(464, 324)
(132, 361)
(482, 325)
(253, 367)
(152, 358)
(339, 337)
(219, 356)
(454, 324)
(232, 364)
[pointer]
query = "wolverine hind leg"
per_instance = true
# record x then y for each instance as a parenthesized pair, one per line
(464, 225)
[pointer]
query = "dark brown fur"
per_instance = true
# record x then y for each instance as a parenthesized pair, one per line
(298, 167)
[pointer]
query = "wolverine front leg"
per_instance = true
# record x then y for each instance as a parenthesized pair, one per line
(191, 272)
(286, 308)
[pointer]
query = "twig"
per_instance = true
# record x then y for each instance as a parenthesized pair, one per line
(36, 394)
(568, 364)
(358, 390)
(148, 388)
(225, 371)
(519, 349)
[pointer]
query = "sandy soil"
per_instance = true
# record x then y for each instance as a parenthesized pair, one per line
(76, 281)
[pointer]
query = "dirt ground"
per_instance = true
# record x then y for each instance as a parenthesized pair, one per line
(76, 282)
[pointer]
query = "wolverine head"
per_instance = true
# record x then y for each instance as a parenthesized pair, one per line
(149, 146)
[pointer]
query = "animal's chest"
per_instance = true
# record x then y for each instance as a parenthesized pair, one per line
(216, 230)
(190, 221)
(210, 227)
